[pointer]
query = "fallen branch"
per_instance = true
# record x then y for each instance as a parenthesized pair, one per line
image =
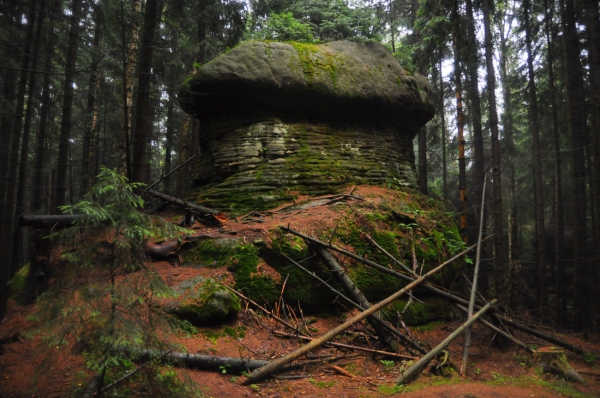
(348, 346)
(355, 294)
(172, 171)
(500, 331)
(343, 372)
(278, 363)
(421, 363)
(456, 299)
(358, 307)
(187, 205)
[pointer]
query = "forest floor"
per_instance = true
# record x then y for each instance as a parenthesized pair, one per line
(27, 370)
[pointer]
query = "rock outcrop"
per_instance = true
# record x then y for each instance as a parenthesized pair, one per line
(278, 119)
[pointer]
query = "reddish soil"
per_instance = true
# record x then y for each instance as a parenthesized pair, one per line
(493, 372)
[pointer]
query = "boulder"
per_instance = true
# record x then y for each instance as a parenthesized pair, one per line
(203, 301)
(282, 119)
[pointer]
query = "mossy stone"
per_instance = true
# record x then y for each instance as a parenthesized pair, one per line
(203, 301)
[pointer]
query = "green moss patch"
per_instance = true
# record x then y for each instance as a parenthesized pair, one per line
(430, 310)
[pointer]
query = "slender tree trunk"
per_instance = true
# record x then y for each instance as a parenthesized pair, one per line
(183, 153)
(460, 122)
(593, 28)
(10, 240)
(129, 63)
(473, 65)
(67, 110)
(13, 18)
(422, 149)
(169, 141)
(577, 122)
(514, 265)
(444, 136)
(38, 173)
(559, 223)
(537, 166)
(91, 105)
(499, 272)
(144, 103)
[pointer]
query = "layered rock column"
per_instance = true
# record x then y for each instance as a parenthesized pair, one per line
(281, 119)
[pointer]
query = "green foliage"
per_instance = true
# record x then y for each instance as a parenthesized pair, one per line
(17, 283)
(284, 27)
(105, 297)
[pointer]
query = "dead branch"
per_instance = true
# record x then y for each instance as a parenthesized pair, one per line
(278, 363)
(343, 372)
(48, 220)
(348, 346)
(187, 205)
(355, 294)
(420, 364)
(374, 317)
(500, 331)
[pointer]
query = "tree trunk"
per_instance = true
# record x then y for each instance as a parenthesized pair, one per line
(144, 102)
(473, 65)
(496, 168)
(169, 141)
(422, 149)
(129, 63)
(444, 136)
(67, 110)
(560, 308)
(537, 167)
(460, 122)
(184, 174)
(577, 123)
(91, 105)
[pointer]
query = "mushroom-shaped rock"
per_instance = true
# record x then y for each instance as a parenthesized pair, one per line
(279, 119)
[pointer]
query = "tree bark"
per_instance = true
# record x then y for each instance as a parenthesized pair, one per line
(129, 66)
(143, 106)
(67, 108)
(460, 123)
(355, 294)
(499, 272)
(577, 125)
(169, 141)
(537, 166)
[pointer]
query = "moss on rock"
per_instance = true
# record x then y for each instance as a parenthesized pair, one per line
(203, 301)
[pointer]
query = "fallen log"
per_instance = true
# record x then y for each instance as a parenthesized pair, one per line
(348, 346)
(358, 307)
(187, 205)
(280, 362)
(415, 368)
(450, 296)
(355, 294)
(48, 220)
(500, 331)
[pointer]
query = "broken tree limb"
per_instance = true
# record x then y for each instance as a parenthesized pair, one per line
(500, 331)
(536, 333)
(388, 255)
(280, 362)
(348, 346)
(188, 205)
(393, 330)
(386, 270)
(456, 299)
(48, 220)
(465, 357)
(421, 363)
(172, 171)
(355, 294)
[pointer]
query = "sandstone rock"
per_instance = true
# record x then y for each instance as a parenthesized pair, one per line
(203, 301)
(279, 119)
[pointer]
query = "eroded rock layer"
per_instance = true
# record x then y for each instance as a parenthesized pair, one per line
(279, 119)
(270, 161)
